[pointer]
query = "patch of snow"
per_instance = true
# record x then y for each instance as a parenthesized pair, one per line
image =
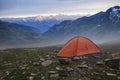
(24, 20)
(115, 10)
(115, 15)
(39, 18)
(98, 25)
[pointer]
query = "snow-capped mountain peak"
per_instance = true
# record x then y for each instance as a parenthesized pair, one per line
(39, 18)
(115, 14)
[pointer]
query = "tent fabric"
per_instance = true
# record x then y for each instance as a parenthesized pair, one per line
(78, 46)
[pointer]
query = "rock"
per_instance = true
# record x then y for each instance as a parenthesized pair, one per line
(8, 64)
(43, 77)
(7, 72)
(118, 78)
(52, 72)
(33, 74)
(36, 63)
(56, 51)
(111, 74)
(90, 68)
(82, 66)
(23, 72)
(113, 63)
(23, 67)
(96, 73)
(42, 59)
(47, 56)
(84, 62)
(46, 63)
(54, 75)
(58, 68)
(96, 55)
(31, 78)
(64, 61)
(116, 55)
(63, 73)
(106, 59)
(76, 58)
(99, 63)
(27, 68)
(53, 56)
(69, 69)
(83, 57)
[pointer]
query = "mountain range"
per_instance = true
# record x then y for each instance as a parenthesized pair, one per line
(12, 34)
(42, 23)
(102, 26)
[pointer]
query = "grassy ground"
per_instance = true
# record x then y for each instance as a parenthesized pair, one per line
(25, 64)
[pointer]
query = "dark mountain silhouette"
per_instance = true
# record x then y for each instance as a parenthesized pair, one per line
(103, 25)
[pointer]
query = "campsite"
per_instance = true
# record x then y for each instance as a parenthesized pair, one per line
(59, 39)
(43, 64)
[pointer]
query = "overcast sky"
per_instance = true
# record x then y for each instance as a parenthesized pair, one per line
(19, 8)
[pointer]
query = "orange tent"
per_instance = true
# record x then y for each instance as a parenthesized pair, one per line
(78, 46)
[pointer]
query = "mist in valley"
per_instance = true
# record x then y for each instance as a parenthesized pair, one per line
(60, 42)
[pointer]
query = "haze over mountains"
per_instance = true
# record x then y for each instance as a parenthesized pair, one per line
(101, 27)
(42, 23)
(13, 34)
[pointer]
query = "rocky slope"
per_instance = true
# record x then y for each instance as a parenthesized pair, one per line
(42, 64)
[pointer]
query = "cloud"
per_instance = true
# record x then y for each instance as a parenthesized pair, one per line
(30, 7)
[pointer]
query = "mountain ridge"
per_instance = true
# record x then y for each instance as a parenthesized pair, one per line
(13, 35)
(42, 23)
(104, 25)
(101, 27)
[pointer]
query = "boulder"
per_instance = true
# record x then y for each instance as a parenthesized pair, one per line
(42, 59)
(113, 63)
(118, 78)
(46, 63)
(69, 69)
(63, 73)
(43, 78)
(54, 75)
(7, 72)
(116, 55)
(76, 58)
(35, 63)
(52, 72)
(33, 74)
(107, 59)
(100, 63)
(111, 74)
(82, 66)
(58, 68)
(31, 78)
(64, 61)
